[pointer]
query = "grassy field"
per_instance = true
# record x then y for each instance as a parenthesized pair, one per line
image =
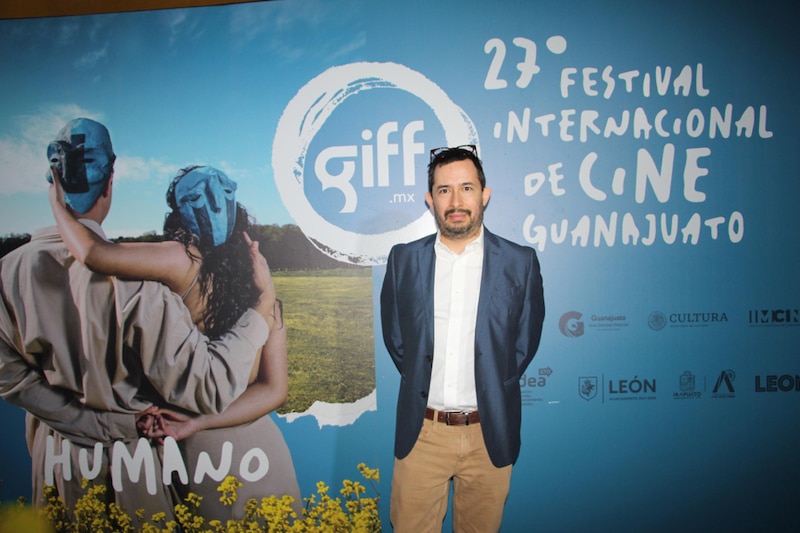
(329, 319)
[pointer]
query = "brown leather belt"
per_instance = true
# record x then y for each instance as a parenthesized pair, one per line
(452, 418)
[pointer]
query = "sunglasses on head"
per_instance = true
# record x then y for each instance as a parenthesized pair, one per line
(439, 152)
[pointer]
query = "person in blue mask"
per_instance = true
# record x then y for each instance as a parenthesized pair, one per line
(85, 354)
(204, 259)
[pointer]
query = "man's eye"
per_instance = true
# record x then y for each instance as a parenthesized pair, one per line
(193, 197)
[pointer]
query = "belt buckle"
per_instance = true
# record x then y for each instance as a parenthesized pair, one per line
(448, 413)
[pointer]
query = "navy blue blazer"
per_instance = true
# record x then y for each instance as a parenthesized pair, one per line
(507, 333)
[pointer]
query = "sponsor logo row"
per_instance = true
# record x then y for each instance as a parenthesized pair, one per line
(684, 386)
(574, 324)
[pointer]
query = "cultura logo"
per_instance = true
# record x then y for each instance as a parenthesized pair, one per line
(657, 320)
(570, 324)
(348, 231)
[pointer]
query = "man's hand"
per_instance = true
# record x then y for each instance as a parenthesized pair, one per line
(147, 420)
(263, 281)
(159, 423)
(56, 192)
(177, 425)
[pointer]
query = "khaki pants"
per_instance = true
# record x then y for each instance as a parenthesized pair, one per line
(421, 482)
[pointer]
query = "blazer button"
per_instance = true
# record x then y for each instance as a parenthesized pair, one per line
(428, 359)
(423, 394)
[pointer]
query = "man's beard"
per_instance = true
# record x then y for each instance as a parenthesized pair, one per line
(471, 227)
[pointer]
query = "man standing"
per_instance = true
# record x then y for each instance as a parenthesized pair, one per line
(462, 314)
(83, 353)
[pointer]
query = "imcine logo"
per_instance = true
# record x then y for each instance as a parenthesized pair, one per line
(774, 317)
(338, 167)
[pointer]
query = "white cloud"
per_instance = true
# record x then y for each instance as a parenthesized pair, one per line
(67, 32)
(24, 161)
(90, 59)
(181, 25)
(251, 22)
(134, 168)
(23, 157)
(358, 42)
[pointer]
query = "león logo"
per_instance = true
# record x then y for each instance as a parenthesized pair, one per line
(587, 387)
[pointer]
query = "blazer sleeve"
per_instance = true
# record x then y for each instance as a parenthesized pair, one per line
(390, 316)
(532, 316)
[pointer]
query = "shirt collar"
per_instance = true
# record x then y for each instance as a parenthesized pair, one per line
(474, 245)
(94, 226)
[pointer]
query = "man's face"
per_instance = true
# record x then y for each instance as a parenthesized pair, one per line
(458, 200)
(206, 200)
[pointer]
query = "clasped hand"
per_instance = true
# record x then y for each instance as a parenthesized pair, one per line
(158, 423)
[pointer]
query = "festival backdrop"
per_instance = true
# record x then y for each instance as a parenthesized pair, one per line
(647, 151)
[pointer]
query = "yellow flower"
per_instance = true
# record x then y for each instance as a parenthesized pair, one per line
(228, 488)
(194, 499)
(20, 518)
(321, 514)
(369, 473)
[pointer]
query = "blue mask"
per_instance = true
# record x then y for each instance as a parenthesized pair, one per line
(206, 200)
(84, 158)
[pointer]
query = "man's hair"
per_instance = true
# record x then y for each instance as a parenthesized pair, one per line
(454, 154)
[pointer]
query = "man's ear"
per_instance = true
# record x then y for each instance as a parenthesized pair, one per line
(107, 190)
(487, 193)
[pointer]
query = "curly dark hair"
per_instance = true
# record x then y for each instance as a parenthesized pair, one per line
(226, 271)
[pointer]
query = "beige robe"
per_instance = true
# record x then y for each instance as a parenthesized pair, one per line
(83, 352)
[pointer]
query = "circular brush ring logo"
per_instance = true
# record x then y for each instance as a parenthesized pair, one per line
(305, 115)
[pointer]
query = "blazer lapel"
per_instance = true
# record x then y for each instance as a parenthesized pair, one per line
(491, 264)
(426, 264)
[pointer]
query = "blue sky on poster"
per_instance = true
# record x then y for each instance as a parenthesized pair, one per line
(208, 85)
(175, 87)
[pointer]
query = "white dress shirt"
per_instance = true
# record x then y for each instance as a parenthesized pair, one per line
(457, 286)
